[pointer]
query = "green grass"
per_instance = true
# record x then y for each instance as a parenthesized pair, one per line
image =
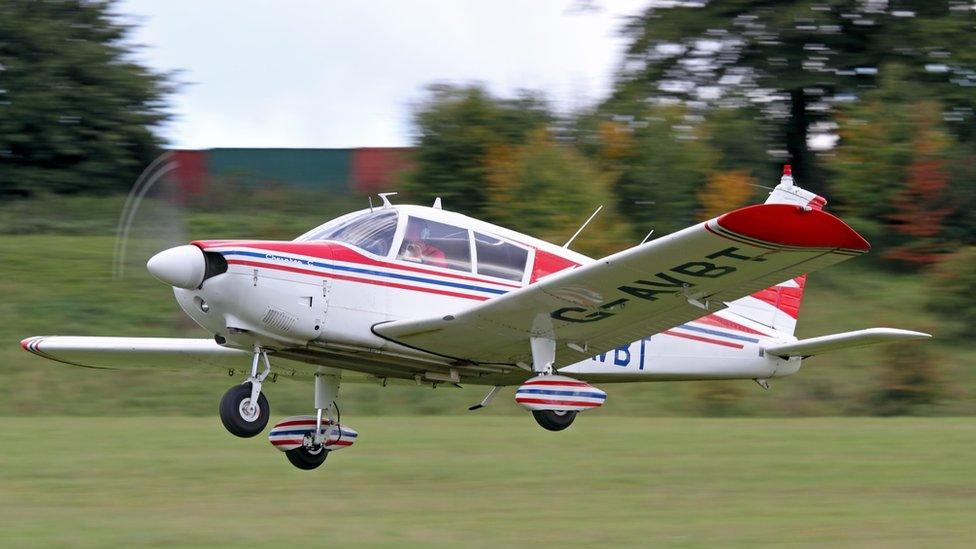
(488, 481)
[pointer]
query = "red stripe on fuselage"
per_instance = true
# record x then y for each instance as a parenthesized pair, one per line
(703, 339)
(337, 252)
(352, 279)
(715, 320)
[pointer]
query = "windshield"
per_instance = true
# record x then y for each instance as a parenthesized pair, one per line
(371, 231)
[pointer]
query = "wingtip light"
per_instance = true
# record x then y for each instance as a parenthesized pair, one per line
(787, 169)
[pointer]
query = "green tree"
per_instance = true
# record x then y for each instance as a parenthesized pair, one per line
(909, 380)
(547, 189)
(891, 172)
(77, 113)
(668, 163)
(952, 294)
(796, 58)
(456, 127)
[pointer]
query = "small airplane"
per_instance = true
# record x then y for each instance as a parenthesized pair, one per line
(404, 293)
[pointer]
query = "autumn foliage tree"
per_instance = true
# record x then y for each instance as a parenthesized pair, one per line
(891, 171)
(547, 189)
(921, 208)
(724, 191)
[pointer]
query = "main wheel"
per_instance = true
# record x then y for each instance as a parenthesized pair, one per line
(554, 420)
(239, 416)
(306, 459)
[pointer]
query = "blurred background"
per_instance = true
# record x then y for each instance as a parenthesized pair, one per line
(128, 127)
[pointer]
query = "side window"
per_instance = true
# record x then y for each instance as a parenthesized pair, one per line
(499, 258)
(436, 244)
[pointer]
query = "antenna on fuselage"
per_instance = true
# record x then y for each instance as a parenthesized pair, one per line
(370, 197)
(437, 203)
(648, 236)
(386, 201)
(583, 226)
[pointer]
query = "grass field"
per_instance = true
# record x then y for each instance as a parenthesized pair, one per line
(487, 481)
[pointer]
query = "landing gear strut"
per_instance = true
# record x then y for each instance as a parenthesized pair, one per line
(313, 451)
(244, 410)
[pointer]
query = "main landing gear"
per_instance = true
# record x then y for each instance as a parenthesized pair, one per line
(553, 399)
(306, 440)
(244, 410)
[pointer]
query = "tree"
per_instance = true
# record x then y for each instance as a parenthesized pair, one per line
(909, 379)
(77, 113)
(456, 128)
(658, 180)
(547, 189)
(725, 190)
(952, 296)
(891, 170)
(796, 59)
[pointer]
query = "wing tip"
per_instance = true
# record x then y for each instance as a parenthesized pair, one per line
(791, 225)
(30, 344)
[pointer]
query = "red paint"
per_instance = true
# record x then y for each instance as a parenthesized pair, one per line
(333, 251)
(784, 298)
(24, 343)
(715, 320)
(546, 263)
(791, 225)
(818, 203)
(302, 422)
(787, 169)
(190, 174)
(352, 279)
(702, 339)
(288, 441)
(376, 169)
(552, 402)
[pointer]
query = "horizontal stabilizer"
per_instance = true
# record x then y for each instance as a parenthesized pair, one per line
(833, 342)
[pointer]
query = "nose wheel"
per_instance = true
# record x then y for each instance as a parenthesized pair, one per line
(244, 410)
(242, 416)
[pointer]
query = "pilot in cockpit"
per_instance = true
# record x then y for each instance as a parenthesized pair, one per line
(416, 248)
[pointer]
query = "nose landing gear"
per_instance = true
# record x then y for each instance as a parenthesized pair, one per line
(244, 410)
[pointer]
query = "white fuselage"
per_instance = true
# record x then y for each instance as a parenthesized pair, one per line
(319, 300)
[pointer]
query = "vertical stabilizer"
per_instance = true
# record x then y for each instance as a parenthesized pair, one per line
(779, 306)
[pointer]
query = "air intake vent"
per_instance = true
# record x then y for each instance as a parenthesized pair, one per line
(279, 320)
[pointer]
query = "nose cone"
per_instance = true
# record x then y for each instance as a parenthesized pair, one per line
(182, 266)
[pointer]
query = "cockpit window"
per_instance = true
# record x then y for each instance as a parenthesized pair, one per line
(438, 244)
(499, 258)
(371, 231)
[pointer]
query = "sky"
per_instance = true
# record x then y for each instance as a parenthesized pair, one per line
(346, 74)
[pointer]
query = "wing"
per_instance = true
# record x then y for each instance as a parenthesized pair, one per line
(640, 291)
(158, 353)
(834, 342)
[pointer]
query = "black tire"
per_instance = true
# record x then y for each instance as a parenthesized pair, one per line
(552, 420)
(230, 412)
(304, 459)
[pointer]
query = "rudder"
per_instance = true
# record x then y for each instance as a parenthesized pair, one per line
(779, 306)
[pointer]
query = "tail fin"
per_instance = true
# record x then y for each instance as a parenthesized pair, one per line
(779, 306)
